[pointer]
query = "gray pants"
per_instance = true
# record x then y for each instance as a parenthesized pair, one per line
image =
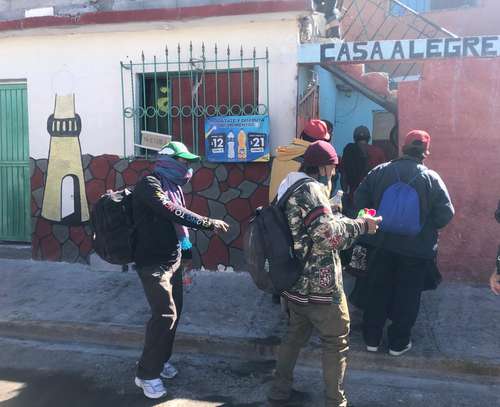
(163, 288)
(332, 322)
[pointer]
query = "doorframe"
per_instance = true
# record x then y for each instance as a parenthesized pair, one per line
(22, 84)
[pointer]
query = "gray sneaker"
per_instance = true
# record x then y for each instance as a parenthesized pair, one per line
(153, 389)
(169, 371)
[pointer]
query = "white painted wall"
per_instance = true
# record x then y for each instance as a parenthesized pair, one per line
(88, 64)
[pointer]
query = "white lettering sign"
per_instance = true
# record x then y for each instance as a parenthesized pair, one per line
(154, 141)
(398, 50)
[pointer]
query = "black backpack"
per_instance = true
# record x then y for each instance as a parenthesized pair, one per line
(268, 246)
(113, 227)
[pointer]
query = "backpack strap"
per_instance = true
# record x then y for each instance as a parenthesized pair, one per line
(282, 202)
(293, 188)
(425, 169)
(397, 173)
(414, 178)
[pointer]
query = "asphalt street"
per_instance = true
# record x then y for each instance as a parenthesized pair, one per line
(70, 375)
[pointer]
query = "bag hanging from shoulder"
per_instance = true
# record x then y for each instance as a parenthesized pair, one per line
(269, 252)
(113, 227)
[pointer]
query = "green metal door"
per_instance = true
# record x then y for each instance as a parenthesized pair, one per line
(15, 217)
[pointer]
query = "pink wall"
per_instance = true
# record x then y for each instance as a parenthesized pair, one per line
(458, 103)
(481, 20)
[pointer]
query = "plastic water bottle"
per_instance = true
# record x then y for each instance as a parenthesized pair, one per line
(336, 201)
(230, 146)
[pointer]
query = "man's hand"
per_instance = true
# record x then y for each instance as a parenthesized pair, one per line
(220, 226)
(495, 283)
(372, 223)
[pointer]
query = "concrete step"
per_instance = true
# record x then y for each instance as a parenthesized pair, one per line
(15, 251)
(253, 349)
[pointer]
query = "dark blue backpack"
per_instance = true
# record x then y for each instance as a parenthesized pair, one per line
(400, 208)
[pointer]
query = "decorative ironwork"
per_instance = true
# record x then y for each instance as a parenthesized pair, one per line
(174, 95)
(369, 20)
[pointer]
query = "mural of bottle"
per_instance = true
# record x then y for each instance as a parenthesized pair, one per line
(242, 145)
(230, 146)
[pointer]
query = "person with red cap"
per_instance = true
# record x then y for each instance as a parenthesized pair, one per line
(414, 204)
(288, 158)
(317, 299)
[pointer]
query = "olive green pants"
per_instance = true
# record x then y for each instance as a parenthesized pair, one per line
(332, 323)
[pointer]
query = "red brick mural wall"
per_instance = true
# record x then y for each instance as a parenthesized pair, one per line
(224, 191)
(458, 103)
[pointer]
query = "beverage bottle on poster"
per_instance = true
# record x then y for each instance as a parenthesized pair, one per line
(242, 145)
(230, 146)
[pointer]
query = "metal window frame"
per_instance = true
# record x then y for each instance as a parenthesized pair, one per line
(134, 76)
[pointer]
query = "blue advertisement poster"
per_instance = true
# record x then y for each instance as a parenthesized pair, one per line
(237, 138)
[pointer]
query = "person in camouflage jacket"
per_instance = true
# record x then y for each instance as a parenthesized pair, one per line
(317, 299)
(318, 234)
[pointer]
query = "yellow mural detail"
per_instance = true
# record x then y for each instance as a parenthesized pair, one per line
(65, 161)
(162, 102)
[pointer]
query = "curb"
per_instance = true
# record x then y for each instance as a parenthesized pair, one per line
(132, 336)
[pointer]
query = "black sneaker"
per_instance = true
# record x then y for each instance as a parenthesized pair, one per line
(394, 352)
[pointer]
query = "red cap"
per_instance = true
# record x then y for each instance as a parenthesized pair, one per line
(319, 154)
(317, 129)
(418, 138)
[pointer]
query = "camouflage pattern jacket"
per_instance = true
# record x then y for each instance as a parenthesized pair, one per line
(318, 235)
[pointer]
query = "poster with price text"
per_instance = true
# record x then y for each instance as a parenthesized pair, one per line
(237, 138)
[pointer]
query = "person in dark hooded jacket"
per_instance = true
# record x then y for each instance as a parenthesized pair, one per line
(358, 159)
(162, 221)
(401, 264)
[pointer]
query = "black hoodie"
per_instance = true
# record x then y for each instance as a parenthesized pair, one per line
(154, 217)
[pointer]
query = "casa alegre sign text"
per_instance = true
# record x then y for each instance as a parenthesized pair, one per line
(482, 47)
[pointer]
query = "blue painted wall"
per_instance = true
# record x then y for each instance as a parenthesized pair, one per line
(417, 5)
(327, 94)
(346, 110)
(352, 110)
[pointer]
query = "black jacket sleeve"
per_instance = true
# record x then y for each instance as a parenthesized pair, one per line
(149, 192)
(363, 197)
(442, 209)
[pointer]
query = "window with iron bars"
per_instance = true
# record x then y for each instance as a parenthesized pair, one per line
(173, 96)
(430, 5)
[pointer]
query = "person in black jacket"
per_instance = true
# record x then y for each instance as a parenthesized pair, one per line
(358, 159)
(161, 220)
(400, 265)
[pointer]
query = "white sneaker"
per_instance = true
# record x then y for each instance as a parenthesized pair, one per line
(153, 389)
(372, 348)
(169, 371)
(400, 352)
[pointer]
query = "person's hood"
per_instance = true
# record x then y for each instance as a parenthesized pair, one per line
(297, 148)
(290, 179)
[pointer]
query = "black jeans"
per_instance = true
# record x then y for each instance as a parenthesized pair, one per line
(396, 284)
(163, 288)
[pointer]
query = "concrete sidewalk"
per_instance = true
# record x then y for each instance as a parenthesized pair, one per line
(457, 332)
